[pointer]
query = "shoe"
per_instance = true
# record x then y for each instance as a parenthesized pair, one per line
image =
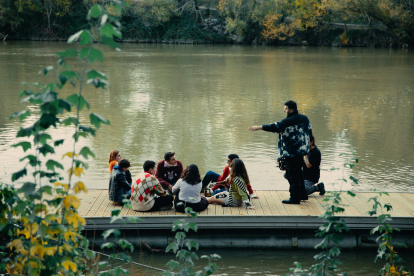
(290, 201)
(321, 188)
(304, 197)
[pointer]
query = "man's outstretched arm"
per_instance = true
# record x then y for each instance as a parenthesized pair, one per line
(254, 128)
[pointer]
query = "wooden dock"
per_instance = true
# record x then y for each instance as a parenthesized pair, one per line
(270, 212)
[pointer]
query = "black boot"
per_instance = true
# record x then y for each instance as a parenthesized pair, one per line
(290, 201)
(321, 188)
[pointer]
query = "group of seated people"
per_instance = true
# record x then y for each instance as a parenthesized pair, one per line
(154, 188)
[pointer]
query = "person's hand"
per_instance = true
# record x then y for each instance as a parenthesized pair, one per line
(251, 207)
(252, 128)
(170, 188)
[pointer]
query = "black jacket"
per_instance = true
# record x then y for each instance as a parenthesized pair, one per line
(118, 181)
(294, 135)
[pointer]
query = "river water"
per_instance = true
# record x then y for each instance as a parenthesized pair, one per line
(199, 100)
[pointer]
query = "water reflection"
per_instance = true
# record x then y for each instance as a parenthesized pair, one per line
(199, 100)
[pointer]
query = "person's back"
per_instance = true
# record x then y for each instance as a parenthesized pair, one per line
(142, 197)
(313, 173)
(119, 187)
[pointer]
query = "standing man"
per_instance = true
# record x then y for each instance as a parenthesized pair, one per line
(294, 135)
(169, 171)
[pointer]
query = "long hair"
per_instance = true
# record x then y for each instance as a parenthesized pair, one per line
(112, 155)
(238, 169)
(191, 175)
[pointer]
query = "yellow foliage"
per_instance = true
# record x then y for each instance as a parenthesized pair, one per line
(70, 235)
(69, 154)
(18, 245)
(344, 38)
(65, 186)
(69, 265)
(77, 171)
(274, 29)
(33, 264)
(75, 219)
(71, 200)
(79, 186)
(24, 232)
(50, 251)
(38, 250)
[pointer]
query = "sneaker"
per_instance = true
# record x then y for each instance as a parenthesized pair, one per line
(321, 188)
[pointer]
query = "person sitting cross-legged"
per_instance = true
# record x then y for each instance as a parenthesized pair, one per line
(119, 188)
(222, 180)
(169, 171)
(237, 194)
(187, 191)
(147, 194)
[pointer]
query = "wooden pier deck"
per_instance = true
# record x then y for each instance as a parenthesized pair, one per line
(270, 212)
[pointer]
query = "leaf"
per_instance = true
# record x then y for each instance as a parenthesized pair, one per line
(191, 244)
(85, 38)
(388, 207)
(87, 130)
(79, 186)
(19, 174)
(95, 55)
(109, 31)
(96, 10)
(69, 265)
(97, 119)
(32, 160)
(22, 115)
(172, 247)
(68, 154)
(71, 200)
(98, 83)
(69, 53)
(78, 102)
(351, 193)
(51, 164)
(42, 138)
(353, 179)
(77, 171)
(75, 37)
(96, 74)
(108, 232)
(28, 189)
(85, 152)
(24, 145)
(107, 245)
(110, 42)
(46, 70)
(69, 121)
(115, 212)
(45, 149)
(126, 244)
(190, 225)
(58, 142)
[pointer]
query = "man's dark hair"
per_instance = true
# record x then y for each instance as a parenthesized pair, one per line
(232, 156)
(168, 155)
(312, 138)
(291, 105)
(148, 165)
(124, 164)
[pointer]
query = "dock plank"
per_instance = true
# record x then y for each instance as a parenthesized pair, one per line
(293, 209)
(264, 203)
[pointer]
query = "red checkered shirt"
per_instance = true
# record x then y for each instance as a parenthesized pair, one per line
(143, 199)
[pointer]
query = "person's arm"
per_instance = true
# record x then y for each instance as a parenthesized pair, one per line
(158, 175)
(122, 182)
(254, 128)
(128, 177)
(241, 189)
(306, 159)
(176, 187)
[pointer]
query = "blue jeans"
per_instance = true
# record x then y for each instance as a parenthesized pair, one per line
(218, 191)
(123, 195)
(210, 176)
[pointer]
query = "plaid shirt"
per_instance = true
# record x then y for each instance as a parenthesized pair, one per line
(143, 199)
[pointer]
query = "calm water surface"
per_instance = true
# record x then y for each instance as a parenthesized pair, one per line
(265, 262)
(199, 101)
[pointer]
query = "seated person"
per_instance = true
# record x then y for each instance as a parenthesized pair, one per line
(222, 179)
(311, 170)
(119, 188)
(114, 157)
(237, 193)
(187, 191)
(169, 171)
(147, 194)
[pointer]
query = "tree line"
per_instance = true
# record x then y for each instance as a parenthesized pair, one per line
(306, 22)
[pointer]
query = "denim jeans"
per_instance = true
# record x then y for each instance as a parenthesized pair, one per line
(210, 176)
(123, 195)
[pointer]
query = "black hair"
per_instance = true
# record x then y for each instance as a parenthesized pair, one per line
(168, 155)
(291, 105)
(124, 164)
(232, 156)
(312, 139)
(191, 175)
(148, 165)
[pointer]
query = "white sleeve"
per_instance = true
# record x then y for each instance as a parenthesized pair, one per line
(176, 187)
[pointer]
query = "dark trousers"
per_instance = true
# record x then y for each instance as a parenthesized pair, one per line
(162, 201)
(197, 207)
(294, 175)
(210, 176)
